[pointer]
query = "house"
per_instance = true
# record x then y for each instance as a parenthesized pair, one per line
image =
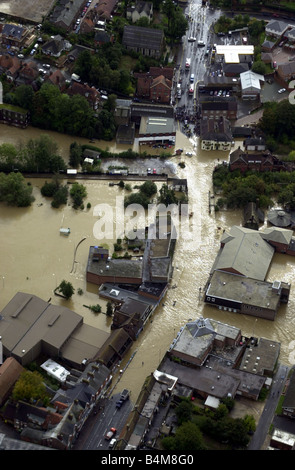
(215, 108)
(156, 84)
(131, 315)
(89, 93)
(251, 85)
(140, 10)
(215, 134)
(57, 78)
(276, 28)
(268, 46)
(10, 371)
(125, 134)
(254, 144)
(263, 161)
(156, 130)
(101, 37)
(147, 41)
(66, 12)
(160, 90)
(281, 218)
(10, 66)
(105, 9)
(54, 47)
(28, 73)
(14, 35)
(286, 71)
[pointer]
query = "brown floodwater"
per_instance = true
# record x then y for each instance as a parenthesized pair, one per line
(35, 258)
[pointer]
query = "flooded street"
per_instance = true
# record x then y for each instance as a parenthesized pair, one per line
(35, 258)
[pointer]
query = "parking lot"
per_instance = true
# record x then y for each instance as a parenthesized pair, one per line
(27, 9)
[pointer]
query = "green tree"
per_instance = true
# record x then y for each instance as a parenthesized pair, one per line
(29, 387)
(78, 192)
(66, 289)
(14, 190)
(109, 311)
(148, 188)
(188, 438)
(75, 155)
(167, 196)
(184, 411)
(23, 96)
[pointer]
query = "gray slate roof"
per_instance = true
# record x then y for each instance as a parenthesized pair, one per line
(147, 38)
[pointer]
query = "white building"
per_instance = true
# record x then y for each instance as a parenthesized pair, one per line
(251, 85)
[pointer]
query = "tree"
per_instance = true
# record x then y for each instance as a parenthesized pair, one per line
(188, 438)
(148, 188)
(78, 192)
(29, 387)
(167, 196)
(75, 155)
(66, 289)
(14, 190)
(184, 411)
(109, 311)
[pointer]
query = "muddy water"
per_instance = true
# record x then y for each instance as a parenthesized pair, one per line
(36, 258)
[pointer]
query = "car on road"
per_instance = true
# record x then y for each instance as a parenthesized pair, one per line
(20, 56)
(112, 443)
(192, 39)
(201, 43)
(282, 90)
(46, 66)
(110, 434)
(33, 51)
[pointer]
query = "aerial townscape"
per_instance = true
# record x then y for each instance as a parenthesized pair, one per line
(147, 211)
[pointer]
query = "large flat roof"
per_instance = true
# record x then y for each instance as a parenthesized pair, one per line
(231, 53)
(243, 290)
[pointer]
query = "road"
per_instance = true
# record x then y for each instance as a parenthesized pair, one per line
(268, 413)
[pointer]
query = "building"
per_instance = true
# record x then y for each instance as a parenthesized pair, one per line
(156, 130)
(105, 9)
(28, 73)
(288, 405)
(66, 12)
(89, 93)
(282, 440)
(139, 110)
(55, 46)
(237, 279)
(251, 85)
(264, 161)
(215, 134)
(106, 269)
(255, 144)
(140, 10)
(276, 28)
(14, 36)
(147, 41)
(215, 107)
(235, 70)
(14, 115)
(10, 371)
(286, 71)
(29, 327)
(10, 66)
(131, 315)
(232, 54)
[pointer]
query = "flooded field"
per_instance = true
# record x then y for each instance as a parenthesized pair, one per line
(35, 258)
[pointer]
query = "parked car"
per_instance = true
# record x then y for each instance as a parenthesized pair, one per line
(110, 434)
(33, 51)
(20, 56)
(192, 39)
(282, 90)
(46, 66)
(112, 443)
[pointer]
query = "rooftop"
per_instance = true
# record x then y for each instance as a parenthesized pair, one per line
(231, 53)
(243, 290)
